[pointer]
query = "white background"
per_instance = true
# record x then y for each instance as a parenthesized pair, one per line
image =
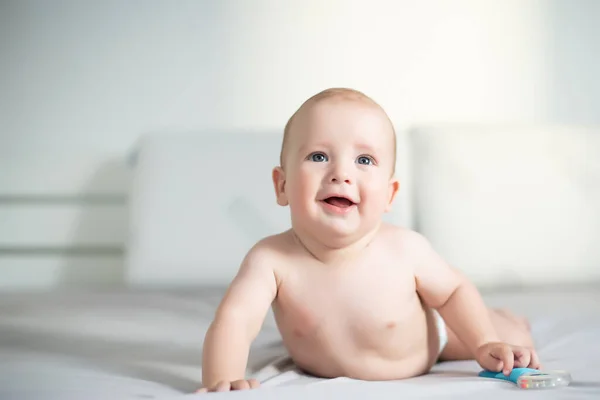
(80, 81)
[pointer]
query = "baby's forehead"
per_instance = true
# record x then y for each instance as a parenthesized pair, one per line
(333, 114)
(339, 102)
(323, 109)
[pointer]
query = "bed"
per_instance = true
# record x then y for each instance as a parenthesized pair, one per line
(142, 344)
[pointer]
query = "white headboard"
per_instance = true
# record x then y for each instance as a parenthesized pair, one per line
(510, 206)
(63, 220)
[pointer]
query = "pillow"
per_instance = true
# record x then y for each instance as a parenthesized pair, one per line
(198, 204)
(510, 206)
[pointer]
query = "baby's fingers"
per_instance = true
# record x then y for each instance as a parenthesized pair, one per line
(535, 361)
(522, 356)
(223, 386)
(487, 361)
(242, 384)
(254, 384)
(504, 354)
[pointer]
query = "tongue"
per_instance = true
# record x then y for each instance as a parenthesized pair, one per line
(339, 202)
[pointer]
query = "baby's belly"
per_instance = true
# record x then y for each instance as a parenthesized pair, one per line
(361, 349)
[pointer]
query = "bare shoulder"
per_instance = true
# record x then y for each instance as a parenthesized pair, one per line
(272, 247)
(408, 245)
(270, 253)
(435, 278)
(257, 281)
(404, 238)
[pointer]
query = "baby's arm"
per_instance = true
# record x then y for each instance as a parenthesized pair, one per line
(238, 320)
(456, 299)
(459, 303)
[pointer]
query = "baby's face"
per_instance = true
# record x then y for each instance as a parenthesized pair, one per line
(339, 168)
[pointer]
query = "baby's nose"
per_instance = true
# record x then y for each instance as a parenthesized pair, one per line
(340, 180)
(340, 175)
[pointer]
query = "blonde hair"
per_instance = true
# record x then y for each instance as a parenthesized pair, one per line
(341, 93)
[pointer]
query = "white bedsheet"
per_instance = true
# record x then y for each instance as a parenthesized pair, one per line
(147, 345)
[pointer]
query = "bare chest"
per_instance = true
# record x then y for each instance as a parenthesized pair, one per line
(366, 298)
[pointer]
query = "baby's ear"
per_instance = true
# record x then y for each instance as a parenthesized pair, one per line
(393, 188)
(279, 183)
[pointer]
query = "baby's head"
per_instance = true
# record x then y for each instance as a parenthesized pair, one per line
(337, 165)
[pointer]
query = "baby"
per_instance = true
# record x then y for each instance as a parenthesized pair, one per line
(352, 296)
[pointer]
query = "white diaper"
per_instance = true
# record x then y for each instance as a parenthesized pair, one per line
(442, 331)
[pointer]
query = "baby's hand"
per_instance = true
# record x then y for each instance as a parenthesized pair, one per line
(504, 357)
(225, 386)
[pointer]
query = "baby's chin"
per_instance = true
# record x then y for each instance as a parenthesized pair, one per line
(339, 230)
(331, 227)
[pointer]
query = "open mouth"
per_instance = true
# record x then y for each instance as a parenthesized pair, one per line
(340, 202)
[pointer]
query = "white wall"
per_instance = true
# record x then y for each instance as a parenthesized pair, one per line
(80, 81)
(94, 75)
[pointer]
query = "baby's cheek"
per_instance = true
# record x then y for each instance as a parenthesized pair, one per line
(300, 186)
(377, 191)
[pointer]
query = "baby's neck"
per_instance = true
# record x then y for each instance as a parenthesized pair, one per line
(334, 254)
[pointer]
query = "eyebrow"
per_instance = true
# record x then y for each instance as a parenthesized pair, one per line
(361, 146)
(366, 147)
(304, 147)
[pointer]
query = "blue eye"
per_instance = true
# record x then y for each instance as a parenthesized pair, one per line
(365, 160)
(318, 157)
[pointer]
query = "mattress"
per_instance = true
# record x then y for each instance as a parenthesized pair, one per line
(132, 344)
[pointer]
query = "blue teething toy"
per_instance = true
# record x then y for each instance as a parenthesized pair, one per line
(528, 378)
